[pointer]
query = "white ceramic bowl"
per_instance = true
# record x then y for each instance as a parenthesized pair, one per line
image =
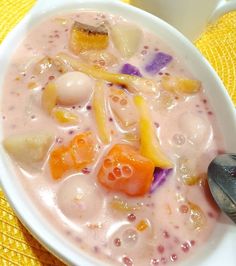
(220, 249)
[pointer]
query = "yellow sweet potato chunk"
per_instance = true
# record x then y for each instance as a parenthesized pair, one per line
(85, 37)
(49, 97)
(64, 116)
(180, 85)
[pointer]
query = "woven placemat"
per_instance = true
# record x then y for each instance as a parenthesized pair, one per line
(217, 44)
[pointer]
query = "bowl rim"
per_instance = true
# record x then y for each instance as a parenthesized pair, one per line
(22, 209)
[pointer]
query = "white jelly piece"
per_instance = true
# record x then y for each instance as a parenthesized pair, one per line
(127, 239)
(196, 128)
(74, 88)
(79, 199)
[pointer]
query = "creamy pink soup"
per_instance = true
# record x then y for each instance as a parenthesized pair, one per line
(170, 221)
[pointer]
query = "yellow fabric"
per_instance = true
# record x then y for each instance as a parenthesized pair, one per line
(218, 45)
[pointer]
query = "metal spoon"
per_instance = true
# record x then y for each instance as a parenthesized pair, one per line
(222, 182)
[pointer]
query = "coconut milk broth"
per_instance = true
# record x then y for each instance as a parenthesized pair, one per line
(108, 233)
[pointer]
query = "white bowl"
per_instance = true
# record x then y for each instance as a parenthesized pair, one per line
(220, 248)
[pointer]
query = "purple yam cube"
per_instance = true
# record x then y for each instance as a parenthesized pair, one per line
(130, 70)
(159, 61)
(159, 177)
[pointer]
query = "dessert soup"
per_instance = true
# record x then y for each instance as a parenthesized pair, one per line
(111, 137)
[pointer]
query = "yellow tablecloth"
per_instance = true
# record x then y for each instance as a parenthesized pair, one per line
(218, 45)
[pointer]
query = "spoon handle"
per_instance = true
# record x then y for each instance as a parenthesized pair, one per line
(232, 216)
(222, 182)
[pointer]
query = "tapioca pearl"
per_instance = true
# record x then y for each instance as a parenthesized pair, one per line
(185, 247)
(96, 249)
(68, 233)
(74, 88)
(210, 214)
(165, 234)
(51, 77)
(117, 172)
(85, 171)
(59, 140)
(173, 257)
(78, 197)
(143, 52)
(178, 139)
(130, 237)
(131, 217)
(126, 238)
(115, 99)
(117, 234)
(117, 242)
(163, 260)
(127, 261)
(160, 249)
(71, 132)
(78, 239)
(195, 127)
(126, 170)
(131, 241)
(111, 177)
(154, 262)
(156, 124)
(176, 240)
(183, 208)
(123, 102)
(107, 163)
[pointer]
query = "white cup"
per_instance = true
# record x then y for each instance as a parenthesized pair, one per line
(221, 247)
(188, 16)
